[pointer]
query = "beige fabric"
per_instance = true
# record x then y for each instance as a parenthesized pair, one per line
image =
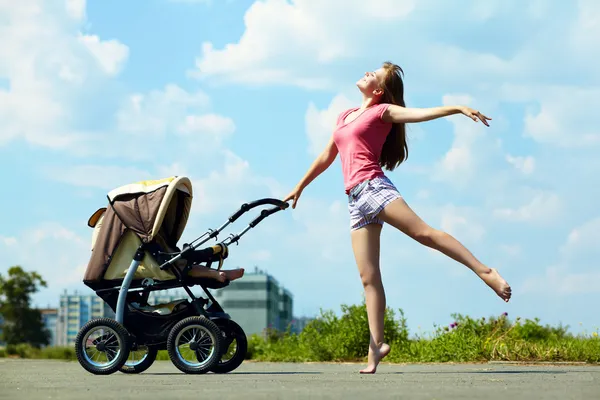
(104, 243)
(166, 212)
(140, 187)
(97, 228)
(140, 212)
(119, 264)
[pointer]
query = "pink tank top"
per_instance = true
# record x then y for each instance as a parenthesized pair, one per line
(359, 143)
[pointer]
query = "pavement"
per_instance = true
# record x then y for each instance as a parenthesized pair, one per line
(65, 380)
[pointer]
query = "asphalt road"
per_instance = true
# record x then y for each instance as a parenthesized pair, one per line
(41, 379)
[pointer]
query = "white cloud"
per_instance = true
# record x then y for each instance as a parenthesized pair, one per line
(105, 177)
(177, 168)
(587, 28)
(559, 280)
(172, 118)
(321, 123)
(576, 271)
(456, 165)
(191, 1)
(76, 8)
(460, 224)
(280, 34)
(511, 249)
(261, 255)
(558, 115)
(305, 43)
(8, 241)
(525, 165)
(460, 164)
(45, 64)
(228, 187)
(159, 111)
(331, 222)
(563, 117)
(213, 125)
(68, 251)
(423, 194)
(543, 207)
(110, 54)
(583, 240)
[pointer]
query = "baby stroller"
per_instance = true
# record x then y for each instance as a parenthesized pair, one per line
(134, 252)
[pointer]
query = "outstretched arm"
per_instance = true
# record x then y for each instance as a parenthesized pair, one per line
(321, 163)
(399, 114)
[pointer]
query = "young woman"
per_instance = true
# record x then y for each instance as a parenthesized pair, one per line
(369, 138)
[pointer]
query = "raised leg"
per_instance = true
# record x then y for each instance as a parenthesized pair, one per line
(366, 246)
(402, 217)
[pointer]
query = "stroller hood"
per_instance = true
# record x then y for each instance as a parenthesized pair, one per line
(144, 206)
(149, 209)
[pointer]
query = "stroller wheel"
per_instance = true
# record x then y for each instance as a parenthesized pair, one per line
(140, 359)
(234, 346)
(102, 346)
(194, 345)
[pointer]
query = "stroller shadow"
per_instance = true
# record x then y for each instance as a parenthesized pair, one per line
(241, 373)
(276, 373)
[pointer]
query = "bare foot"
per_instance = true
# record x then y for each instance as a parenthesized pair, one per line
(375, 356)
(497, 283)
(233, 274)
(200, 271)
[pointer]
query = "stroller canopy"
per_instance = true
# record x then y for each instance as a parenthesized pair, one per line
(153, 210)
(144, 207)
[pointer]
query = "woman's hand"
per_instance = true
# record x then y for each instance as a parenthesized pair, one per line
(474, 115)
(294, 195)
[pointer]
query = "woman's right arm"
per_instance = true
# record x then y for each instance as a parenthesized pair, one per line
(321, 163)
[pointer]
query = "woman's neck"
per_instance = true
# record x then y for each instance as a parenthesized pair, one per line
(367, 102)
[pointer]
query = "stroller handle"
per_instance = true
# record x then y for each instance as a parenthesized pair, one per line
(279, 205)
(191, 248)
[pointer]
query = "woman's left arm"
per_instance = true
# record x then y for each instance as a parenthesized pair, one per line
(399, 114)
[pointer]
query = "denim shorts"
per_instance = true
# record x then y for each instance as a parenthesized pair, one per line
(368, 198)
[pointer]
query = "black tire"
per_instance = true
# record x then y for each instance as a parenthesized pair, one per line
(141, 365)
(180, 333)
(231, 332)
(114, 344)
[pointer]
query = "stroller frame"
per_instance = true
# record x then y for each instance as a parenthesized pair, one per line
(190, 248)
(133, 329)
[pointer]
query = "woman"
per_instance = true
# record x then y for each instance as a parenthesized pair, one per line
(369, 138)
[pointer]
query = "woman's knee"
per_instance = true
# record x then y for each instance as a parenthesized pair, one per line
(370, 277)
(426, 236)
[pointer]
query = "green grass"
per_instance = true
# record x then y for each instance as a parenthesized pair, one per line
(24, 350)
(345, 338)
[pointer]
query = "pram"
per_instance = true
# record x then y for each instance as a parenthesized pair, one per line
(134, 252)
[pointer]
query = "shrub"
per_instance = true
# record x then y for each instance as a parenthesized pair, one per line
(346, 337)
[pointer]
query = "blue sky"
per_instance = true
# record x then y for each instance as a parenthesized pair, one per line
(241, 95)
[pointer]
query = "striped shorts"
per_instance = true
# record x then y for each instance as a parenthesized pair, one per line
(368, 198)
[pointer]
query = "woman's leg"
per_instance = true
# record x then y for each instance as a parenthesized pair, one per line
(402, 217)
(365, 243)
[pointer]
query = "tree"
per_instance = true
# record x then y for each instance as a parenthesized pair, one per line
(22, 324)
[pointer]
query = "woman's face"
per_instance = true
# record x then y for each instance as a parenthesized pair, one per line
(369, 83)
